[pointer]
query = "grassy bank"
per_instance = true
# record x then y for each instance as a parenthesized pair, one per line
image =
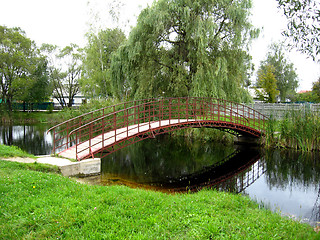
(18, 117)
(13, 151)
(29, 117)
(36, 205)
(297, 130)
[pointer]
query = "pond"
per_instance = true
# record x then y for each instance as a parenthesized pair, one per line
(285, 181)
(31, 138)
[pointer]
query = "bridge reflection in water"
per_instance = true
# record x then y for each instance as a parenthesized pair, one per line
(169, 165)
(282, 180)
(234, 173)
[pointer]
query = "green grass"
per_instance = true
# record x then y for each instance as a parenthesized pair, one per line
(29, 117)
(13, 151)
(297, 130)
(36, 205)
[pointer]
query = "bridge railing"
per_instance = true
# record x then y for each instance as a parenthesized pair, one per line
(120, 119)
(60, 132)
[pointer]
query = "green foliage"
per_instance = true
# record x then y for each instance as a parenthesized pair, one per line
(95, 81)
(23, 72)
(303, 27)
(206, 134)
(41, 90)
(13, 151)
(186, 48)
(54, 207)
(268, 82)
(19, 117)
(316, 89)
(269, 139)
(308, 96)
(65, 67)
(93, 104)
(284, 72)
(300, 130)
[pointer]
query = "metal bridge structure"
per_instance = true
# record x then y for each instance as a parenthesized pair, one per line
(104, 131)
(234, 173)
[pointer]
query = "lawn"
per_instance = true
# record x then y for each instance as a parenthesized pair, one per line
(38, 205)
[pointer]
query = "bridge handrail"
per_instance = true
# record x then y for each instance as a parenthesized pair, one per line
(135, 106)
(100, 118)
(82, 121)
(115, 105)
(91, 112)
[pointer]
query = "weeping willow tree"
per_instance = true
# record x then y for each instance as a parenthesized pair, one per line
(186, 48)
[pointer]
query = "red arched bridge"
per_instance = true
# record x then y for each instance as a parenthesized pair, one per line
(104, 131)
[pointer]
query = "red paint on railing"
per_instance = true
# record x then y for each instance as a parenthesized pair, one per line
(132, 116)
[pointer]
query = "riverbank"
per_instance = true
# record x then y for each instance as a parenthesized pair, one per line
(299, 130)
(19, 117)
(37, 205)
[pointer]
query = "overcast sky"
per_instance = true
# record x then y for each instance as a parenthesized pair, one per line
(62, 22)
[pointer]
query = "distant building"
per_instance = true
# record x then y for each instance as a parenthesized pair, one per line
(253, 93)
(304, 91)
(77, 101)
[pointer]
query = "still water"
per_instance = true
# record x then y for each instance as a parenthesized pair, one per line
(284, 181)
(31, 138)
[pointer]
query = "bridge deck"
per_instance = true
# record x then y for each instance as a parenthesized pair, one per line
(118, 123)
(109, 138)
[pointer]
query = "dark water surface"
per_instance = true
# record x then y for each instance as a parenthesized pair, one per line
(284, 181)
(31, 138)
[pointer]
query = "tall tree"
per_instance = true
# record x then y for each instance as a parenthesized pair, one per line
(284, 71)
(268, 83)
(35, 88)
(316, 89)
(184, 48)
(19, 67)
(303, 29)
(72, 57)
(65, 66)
(41, 89)
(95, 79)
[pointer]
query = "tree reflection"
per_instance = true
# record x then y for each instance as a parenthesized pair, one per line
(288, 168)
(180, 164)
(162, 158)
(294, 168)
(315, 216)
(31, 138)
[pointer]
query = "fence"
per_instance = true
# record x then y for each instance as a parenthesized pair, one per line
(17, 106)
(278, 110)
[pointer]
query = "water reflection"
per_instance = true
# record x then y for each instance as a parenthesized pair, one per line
(285, 181)
(31, 138)
(161, 159)
(228, 174)
(180, 165)
(290, 184)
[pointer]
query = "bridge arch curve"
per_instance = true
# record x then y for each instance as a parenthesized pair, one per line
(104, 131)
